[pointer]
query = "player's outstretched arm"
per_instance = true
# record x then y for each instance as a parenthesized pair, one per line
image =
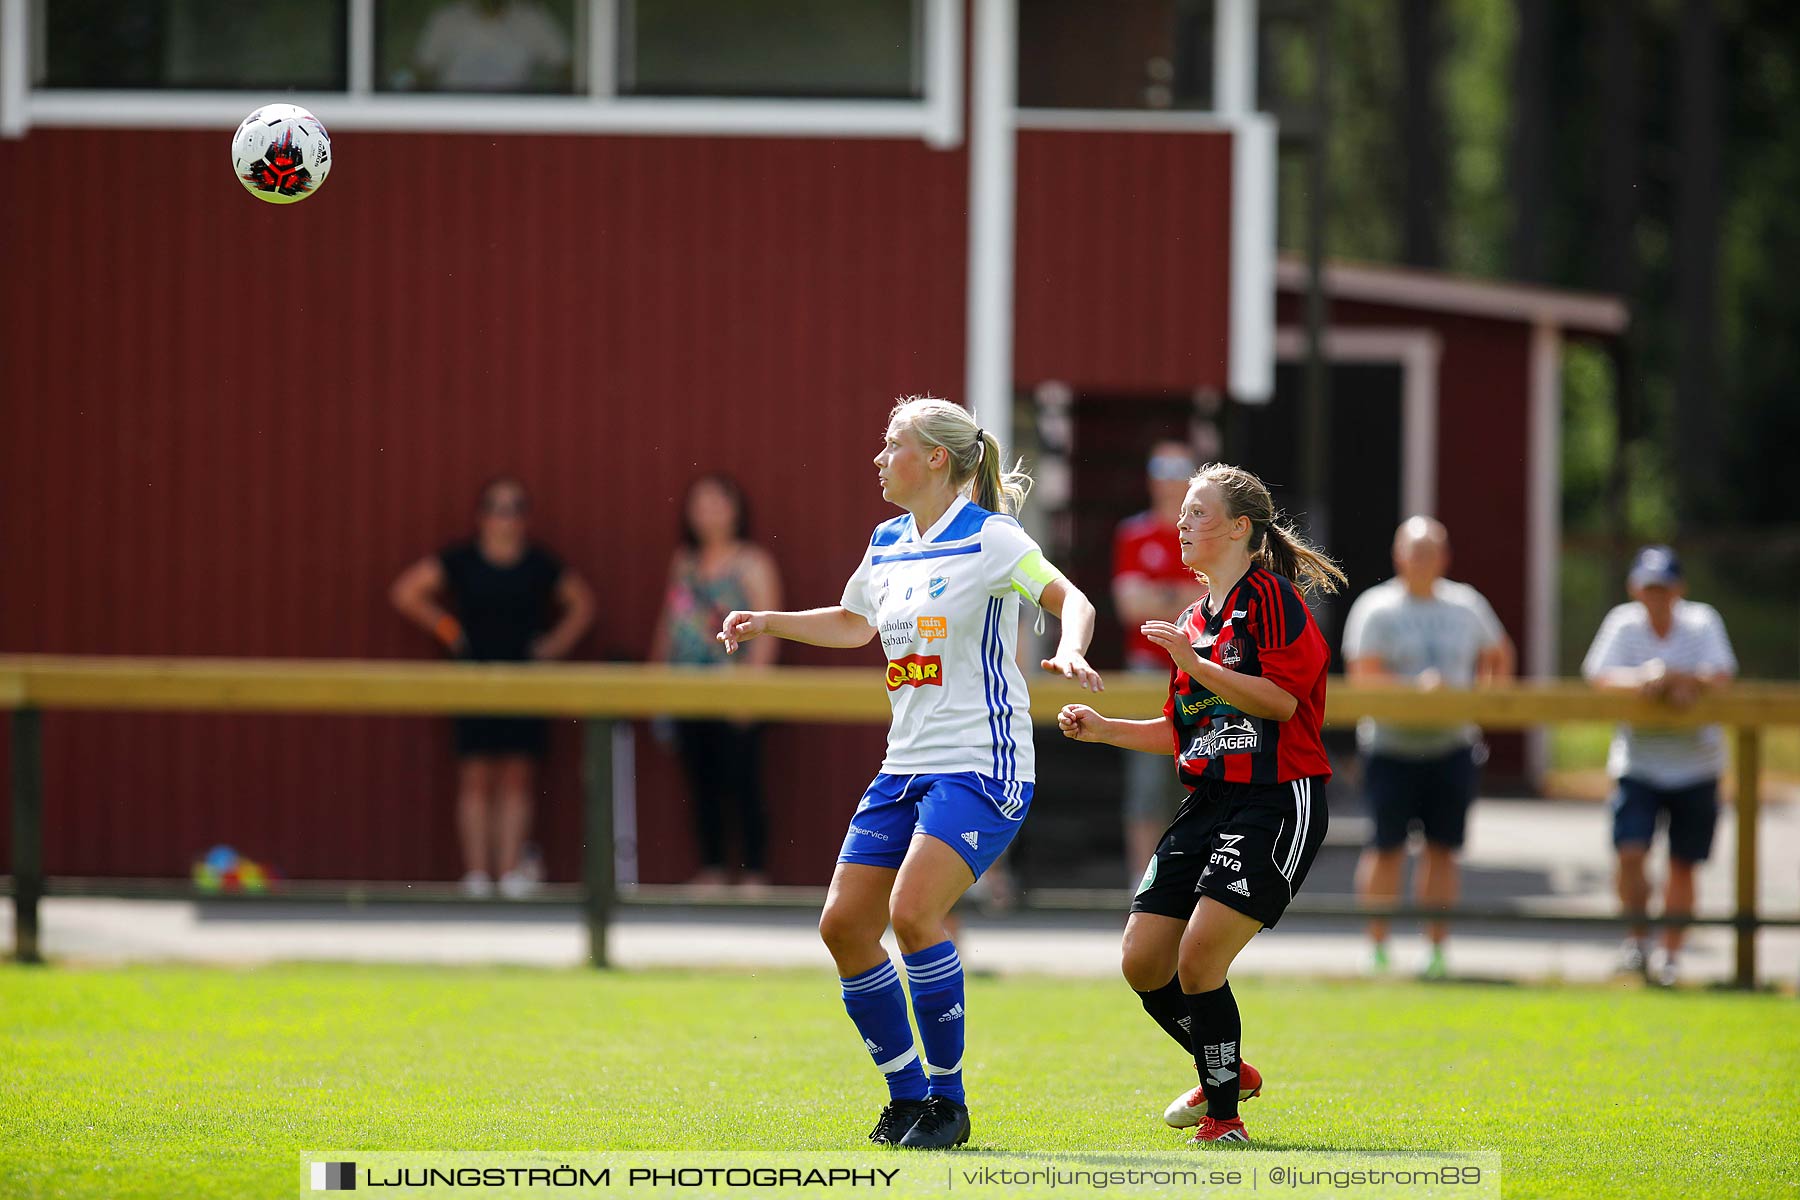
(836, 627)
(1076, 613)
(1080, 723)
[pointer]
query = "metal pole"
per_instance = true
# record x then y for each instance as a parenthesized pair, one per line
(1315, 409)
(597, 833)
(27, 831)
(1749, 775)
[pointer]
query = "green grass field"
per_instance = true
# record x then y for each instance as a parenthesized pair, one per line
(197, 1082)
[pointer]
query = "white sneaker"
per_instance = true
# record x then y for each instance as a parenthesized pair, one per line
(1663, 970)
(517, 884)
(477, 884)
(1631, 957)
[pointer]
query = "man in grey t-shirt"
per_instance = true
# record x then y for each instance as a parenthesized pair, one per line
(1432, 632)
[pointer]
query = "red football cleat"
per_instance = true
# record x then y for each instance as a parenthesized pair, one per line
(1186, 1109)
(1213, 1130)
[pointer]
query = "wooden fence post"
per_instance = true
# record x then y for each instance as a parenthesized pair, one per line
(27, 831)
(1749, 778)
(597, 833)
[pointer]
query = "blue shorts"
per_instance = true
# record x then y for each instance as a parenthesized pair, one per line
(1431, 793)
(1693, 815)
(974, 814)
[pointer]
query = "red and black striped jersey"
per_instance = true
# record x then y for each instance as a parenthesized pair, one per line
(1263, 628)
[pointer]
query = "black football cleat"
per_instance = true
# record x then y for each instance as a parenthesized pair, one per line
(943, 1124)
(895, 1120)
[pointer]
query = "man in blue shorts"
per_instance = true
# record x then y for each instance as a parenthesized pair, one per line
(1667, 648)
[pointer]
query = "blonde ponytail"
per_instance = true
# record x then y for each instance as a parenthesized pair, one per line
(975, 454)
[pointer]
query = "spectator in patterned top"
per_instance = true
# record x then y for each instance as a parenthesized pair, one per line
(1150, 583)
(716, 570)
(1666, 648)
(1432, 632)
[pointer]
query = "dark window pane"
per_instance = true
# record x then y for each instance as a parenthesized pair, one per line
(842, 48)
(1123, 54)
(478, 45)
(200, 44)
(1150, 54)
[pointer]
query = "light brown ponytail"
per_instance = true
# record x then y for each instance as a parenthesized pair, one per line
(1278, 546)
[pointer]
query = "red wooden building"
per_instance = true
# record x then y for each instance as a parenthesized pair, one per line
(227, 426)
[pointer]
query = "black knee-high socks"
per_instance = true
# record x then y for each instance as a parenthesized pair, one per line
(1169, 1009)
(1217, 1031)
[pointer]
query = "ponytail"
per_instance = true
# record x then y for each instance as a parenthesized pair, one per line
(1279, 546)
(1286, 553)
(996, 490)
(975, 455)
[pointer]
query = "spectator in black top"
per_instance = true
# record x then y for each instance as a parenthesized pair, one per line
(497, 598)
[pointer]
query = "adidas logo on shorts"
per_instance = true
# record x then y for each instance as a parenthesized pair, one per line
(873, 1048)
(974, 842)
(1240, 887)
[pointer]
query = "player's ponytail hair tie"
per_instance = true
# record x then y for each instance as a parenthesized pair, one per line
(980, 441)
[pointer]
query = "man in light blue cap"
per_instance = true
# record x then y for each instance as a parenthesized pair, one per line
(1670, 649)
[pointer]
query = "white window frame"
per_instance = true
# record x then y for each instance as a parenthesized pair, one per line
(936, 118)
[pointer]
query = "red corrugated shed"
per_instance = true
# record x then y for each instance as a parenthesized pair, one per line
(1123, 267)
(229, 425)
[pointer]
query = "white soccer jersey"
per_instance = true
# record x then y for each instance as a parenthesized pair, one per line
(946, 605)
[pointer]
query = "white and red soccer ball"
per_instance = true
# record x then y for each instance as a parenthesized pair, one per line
(281, 153)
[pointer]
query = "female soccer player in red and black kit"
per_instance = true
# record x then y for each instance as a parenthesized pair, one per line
(1246, 699)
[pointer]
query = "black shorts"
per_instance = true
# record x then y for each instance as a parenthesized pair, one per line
(502, 737)
(1246, 845)
(1431, 793)
(1692, 816)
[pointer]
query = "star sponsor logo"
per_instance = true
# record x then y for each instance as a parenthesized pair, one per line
(915, 670)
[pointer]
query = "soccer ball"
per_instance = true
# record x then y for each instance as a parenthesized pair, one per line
(281, 153)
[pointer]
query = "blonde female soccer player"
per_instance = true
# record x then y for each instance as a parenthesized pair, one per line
(1246, 698)
(942, 586)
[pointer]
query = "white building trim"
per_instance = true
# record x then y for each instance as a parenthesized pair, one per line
(988, 360)
(1250, 363)
(1417, 352)
(1581, 312)
(1543, 506)
(943, 81)
(15, 68)
(1125, 120)
(1234, 57)
(935, 119)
